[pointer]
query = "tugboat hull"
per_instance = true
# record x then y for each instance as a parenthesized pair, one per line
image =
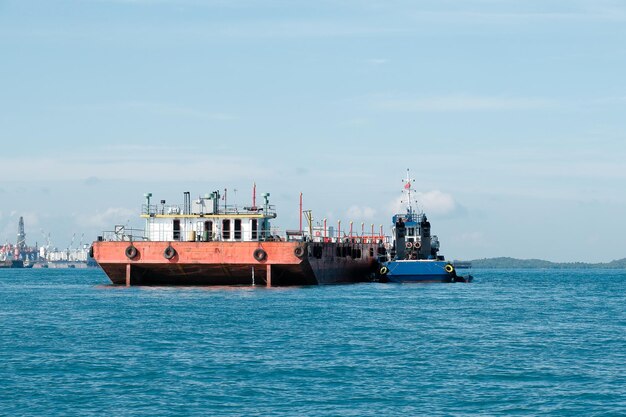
(416, 271)
(420, 271)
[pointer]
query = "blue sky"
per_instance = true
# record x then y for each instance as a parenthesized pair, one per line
(510, 115)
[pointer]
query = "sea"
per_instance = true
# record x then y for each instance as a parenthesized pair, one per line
(513, 342)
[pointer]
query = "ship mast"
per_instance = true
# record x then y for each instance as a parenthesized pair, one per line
(407, 187)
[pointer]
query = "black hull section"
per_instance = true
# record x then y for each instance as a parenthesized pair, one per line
(245, 274)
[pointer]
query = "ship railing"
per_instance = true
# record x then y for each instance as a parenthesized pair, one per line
(123, 234)
(187, 234)
(223, 210)
(259, 235)
(154, 209)
(346, 238)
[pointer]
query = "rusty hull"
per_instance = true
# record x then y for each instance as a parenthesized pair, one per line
(234, 263)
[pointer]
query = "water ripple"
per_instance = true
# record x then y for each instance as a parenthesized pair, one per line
(514, 342)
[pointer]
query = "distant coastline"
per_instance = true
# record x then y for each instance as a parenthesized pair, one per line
(513, 263)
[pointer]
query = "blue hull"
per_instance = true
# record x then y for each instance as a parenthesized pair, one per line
(417, 271)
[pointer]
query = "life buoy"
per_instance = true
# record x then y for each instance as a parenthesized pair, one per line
(169, 252)
(384, 270)
(131, 252)
(259, 254)
(417, 245)
(449, 269)
(409, 245)
(299, 251)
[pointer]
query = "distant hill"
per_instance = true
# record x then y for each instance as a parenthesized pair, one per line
(512, 263)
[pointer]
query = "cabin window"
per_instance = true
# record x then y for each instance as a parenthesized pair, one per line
(237, 229)
(254, 229)
(176, 235)
(226, 229)
(207, 234)
(411, 231)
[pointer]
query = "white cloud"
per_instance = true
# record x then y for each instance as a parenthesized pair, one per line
(436, 202)
(356, 122)
(471, 239)
(377, 61)
(507, 13)
(477, 12)
(107, 218)
(173, 110)
(431, 202)
(608, 100)
(357, 213)
(130, 162)
(460, 103)
(30, 218)
(10, 224)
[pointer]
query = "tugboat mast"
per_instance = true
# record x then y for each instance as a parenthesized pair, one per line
(407, 187)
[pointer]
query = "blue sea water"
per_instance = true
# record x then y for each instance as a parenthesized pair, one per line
(521, 342)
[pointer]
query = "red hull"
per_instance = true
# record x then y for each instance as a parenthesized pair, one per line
(234, 263)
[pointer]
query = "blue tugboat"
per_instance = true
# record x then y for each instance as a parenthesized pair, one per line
(413, 256)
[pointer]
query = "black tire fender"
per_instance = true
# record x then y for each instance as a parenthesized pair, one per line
(259, 254)
(131, 252)
(169, 252)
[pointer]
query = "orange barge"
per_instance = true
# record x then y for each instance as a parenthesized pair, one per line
(206, 243)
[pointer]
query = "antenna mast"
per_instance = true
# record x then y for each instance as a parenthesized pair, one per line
(407, 187)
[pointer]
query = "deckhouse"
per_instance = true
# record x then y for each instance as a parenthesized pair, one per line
(208, 219)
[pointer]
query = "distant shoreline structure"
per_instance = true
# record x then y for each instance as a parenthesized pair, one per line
(513, 263)
(21, 255)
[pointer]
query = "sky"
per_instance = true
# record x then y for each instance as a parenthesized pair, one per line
(509, 114)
